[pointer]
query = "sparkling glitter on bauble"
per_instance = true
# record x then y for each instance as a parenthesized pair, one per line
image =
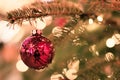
(37, 51)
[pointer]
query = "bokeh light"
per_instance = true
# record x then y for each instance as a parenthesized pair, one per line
(109, 56)
(110, 43)
(116, 37)
(91, 21)
(21, 66)
(71, 74)
(100, 18)
(8, 32)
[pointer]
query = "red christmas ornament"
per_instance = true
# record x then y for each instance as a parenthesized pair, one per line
(37, 51)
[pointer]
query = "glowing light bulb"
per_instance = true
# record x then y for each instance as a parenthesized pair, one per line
(100, 18)
(110, 43)
(90, 21)
(21, 66)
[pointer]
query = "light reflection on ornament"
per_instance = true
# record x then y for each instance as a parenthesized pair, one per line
(21, 66)
(110, 43)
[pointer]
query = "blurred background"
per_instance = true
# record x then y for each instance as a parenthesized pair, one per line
(87, 47)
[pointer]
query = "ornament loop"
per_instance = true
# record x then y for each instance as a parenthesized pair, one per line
(36, 32)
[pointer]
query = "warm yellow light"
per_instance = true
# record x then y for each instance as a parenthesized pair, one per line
(21, 66)
(109, 56)
(93, 27)
(116, 37)
(100, 18)
(71, 74)
(91, 21)
(57, 31)
(110, 43)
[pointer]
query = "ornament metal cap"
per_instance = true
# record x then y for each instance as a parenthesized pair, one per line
(36, 32)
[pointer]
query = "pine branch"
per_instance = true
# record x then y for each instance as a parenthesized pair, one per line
(101, 6)
(69, 32)
(39, 9)
(65, 32)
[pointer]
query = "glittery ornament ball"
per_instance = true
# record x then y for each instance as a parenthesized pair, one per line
(37, 51)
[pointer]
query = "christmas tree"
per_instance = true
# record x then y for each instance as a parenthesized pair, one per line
(71, 40)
